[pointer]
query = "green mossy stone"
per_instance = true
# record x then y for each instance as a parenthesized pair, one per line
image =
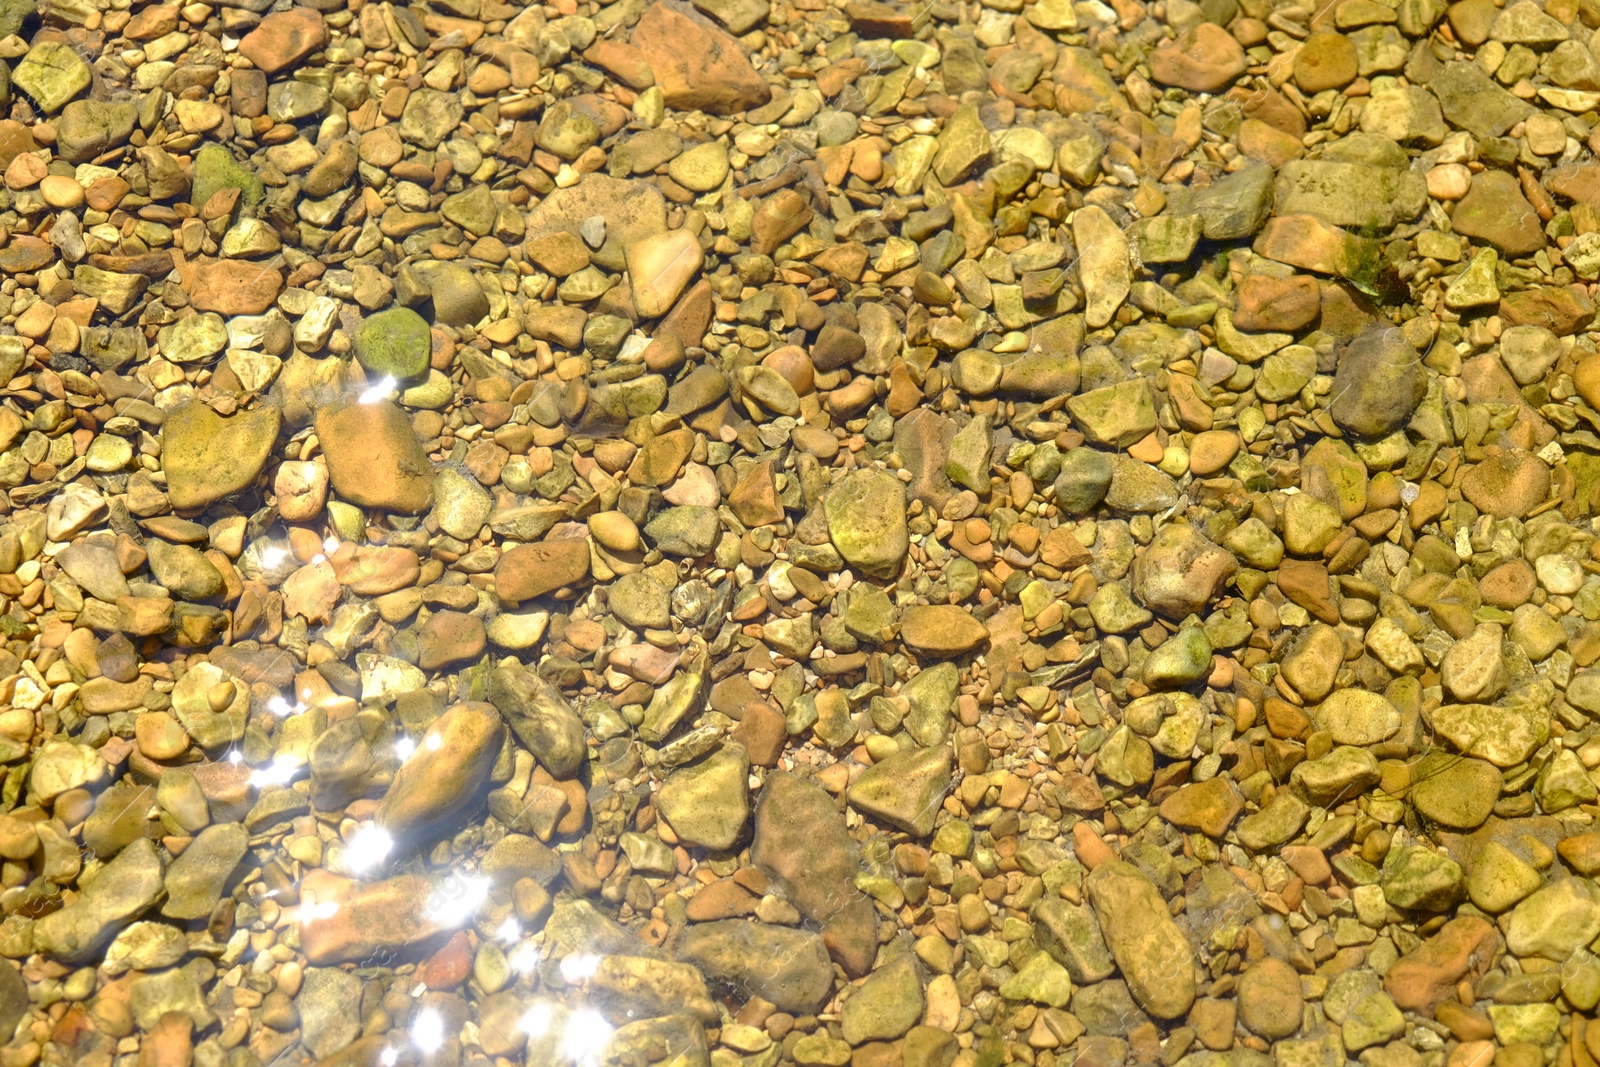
(216, 169)
(394, 342)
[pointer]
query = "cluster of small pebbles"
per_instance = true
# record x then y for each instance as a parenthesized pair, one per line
(629, 533)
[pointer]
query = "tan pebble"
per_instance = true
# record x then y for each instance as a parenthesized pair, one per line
(1148, 450)
(614, 531)
(26, 171)
(105, 193)
(60, 191)
(37, 320)
(1212, 450)
(1471, 1054)
(1449, 181)
(301, 488)
(1325, 61)
(159, 735)
(1091, 848)
(221, 695)
(1203, 59)
(1586, 379)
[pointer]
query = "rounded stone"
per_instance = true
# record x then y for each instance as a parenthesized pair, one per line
(1325, 61)
(1269, 999)
(1586, 379)
(1507, 485)
(1455, 791)
(394, 343)
(1084, 479)
(1378, 384)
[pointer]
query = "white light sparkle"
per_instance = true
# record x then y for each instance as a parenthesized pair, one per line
(586, 1036)
(403, 748)
(280, 772)
(535, 1022)
(524, 958)
(579, 967)
(378, 390)
(474, 895)
(272, 555)
(427, 1032)
(368, 849)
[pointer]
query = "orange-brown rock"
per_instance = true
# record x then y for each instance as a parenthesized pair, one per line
(373, 570)
(697, 65)
(234, 286)
(1203, 60)
(1463, 948)
(1281, 304)
(344, 921)
(533, 570)
(284, 38)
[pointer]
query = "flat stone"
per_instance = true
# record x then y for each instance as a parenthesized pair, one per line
(867, 521)
(1378, 384)
(1348, 194)
(1495, 210)
(445, 773)
(1150, 950)
(1269, 999)
(528, 571)
(1357, 717)
(126, 888)
(1209, 806)
(1204, 59)
(1103, 261)
(697, 66)
(395, 343)
(905, 790)
(1509, 484)
(51, 74)
(195, 880)
(284, 38)
(801, 841)
(1463, 948)
(207, 456)
(942, 630)
(661, 266)
(352, 921)
(887, 1005)
(1454, 792)
(708, 803)
(374, 457)
(234, 287)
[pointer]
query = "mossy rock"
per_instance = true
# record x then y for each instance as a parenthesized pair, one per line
(394, 342)
(216, 169)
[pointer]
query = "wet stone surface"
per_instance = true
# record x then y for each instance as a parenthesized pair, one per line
(813, 532)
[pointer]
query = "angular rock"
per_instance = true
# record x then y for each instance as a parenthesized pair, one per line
(788, 967)
(127, 887)
(802, 844)
(905, 790)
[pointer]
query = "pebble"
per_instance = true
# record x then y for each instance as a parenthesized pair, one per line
(795, 473)
(374, 457)
(208, 457)
(1150, 951)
